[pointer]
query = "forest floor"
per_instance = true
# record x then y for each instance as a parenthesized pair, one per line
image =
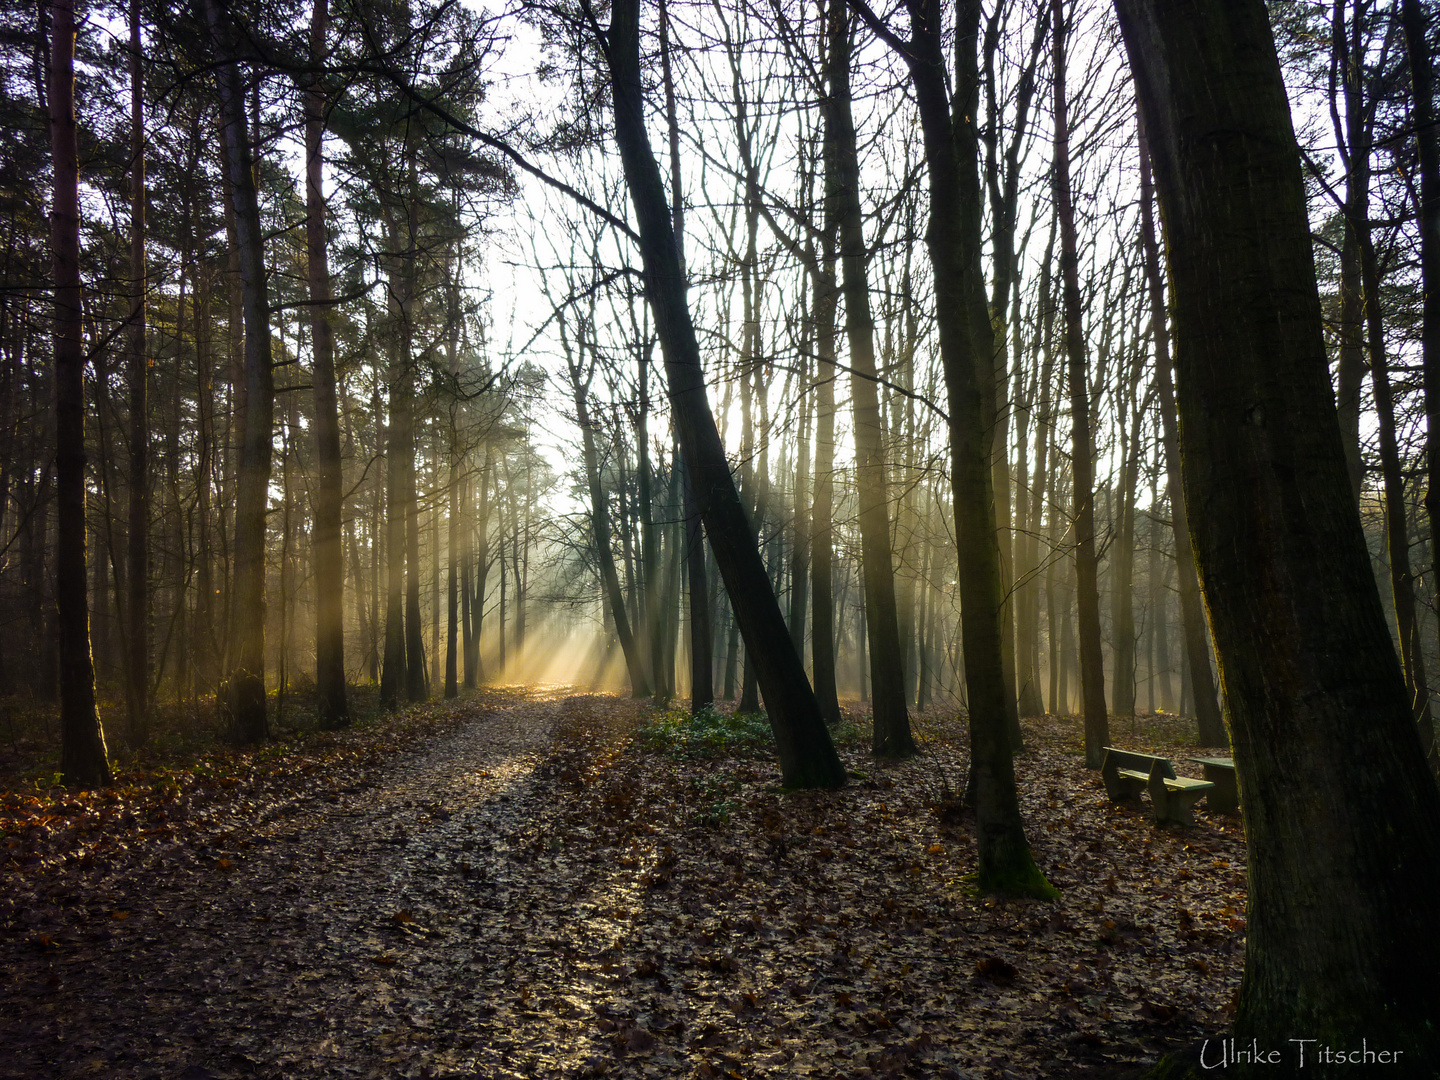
(535, 882)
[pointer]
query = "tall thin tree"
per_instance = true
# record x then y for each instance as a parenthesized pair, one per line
(83, 761)
(327, 558)
(892, 737)
(137, 633)
(246, 689)
(1082, 453)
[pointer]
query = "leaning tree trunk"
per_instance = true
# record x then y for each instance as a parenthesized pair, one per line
(82, 741)
(892, 737)
(247, 639)
(807, 756)
(1344, 861)
(1192, 614)
(327, 557)
(1082, 456)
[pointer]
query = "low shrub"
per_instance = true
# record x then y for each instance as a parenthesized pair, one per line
(708, 733)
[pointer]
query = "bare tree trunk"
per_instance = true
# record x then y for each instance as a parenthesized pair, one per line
(1343, 874)
(474, 663)
(650, 607)
(247, 651)
(392, 672)
(1351, 136)
(600, 527)
(137, 633)
(825, 300)
(1087, 591)
(205, 668)
(800, 515)
(1192, 613)
(83, 760)
(1004, 196)
(328, 558)
(452, 598)
(1033, 703)
(1422, 87)
(1122, 559)
(967, 352)
(702, 629)
(1397, 531)
(702, 646)
(892, 737)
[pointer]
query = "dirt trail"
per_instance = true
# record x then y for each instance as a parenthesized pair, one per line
(349, 940)
(533, 896)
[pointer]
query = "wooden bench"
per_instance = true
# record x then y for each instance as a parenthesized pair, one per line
(1126, 774)
(1220, 771)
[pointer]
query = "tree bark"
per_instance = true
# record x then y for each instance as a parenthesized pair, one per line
(1397, 531)
(327, 557)
(1193, 627)
(1352, 137)
(1343, 869)
(482, 573)
(393, 678)
(1034, 703)
(1422, 89)
(891, 722)
(1122, 559)
(137, 633)
(807, 756)
(247, 646)
(702, 628)
(600, 527)
(1004, 194)
(825, 299)
(967, 352)
(83, 760)
(1082, 465)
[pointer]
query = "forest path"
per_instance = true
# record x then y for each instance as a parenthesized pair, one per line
(368, 936)
(527, 891)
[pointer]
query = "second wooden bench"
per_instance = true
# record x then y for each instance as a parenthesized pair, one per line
(1127, 774)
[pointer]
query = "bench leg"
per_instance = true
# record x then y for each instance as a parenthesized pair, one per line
(1173, 807)
(1225, 797)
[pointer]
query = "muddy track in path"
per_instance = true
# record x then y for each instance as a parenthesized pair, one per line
(375, 936)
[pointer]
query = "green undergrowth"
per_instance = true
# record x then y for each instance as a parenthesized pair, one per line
(711, 733)
(706, 734)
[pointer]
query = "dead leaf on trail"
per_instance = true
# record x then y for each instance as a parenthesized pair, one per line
(383, 958)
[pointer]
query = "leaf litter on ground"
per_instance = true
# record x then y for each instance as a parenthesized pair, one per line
(540, 882)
